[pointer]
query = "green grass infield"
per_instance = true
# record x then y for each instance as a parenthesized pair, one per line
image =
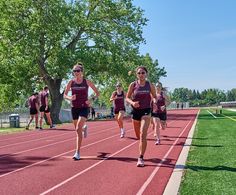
(211, 164)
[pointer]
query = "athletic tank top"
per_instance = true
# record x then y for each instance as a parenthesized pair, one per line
(119, 101)
(160, 102)
(81, 92)
(32, 101)
(43, 95)
(142, 94)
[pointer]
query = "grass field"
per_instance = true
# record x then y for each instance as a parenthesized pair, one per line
(211, 163)
(6, 130)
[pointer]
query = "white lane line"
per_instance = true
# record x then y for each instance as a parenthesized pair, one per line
(34, 140)
(229, 117)
(44, 146)
(211, 114)
(89, 168)
(85, 170)
(59, 142)
(62, 154)
(42, 138)
(148, 181)
(35, 132)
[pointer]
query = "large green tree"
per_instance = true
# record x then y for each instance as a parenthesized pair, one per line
(180, 95)
(231, 95)
(41, 41)
(207, 97)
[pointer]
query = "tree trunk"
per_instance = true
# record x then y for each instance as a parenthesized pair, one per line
(56, 99)
(54, 85)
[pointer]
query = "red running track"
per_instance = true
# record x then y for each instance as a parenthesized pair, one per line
(39, 162)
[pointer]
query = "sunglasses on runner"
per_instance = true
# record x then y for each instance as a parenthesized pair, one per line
(78, 70)
(141, 72)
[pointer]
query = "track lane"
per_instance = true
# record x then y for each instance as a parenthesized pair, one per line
(55, 170)
(39, 134)
(38, 156)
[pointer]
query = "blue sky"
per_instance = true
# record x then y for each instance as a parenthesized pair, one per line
(195, 40)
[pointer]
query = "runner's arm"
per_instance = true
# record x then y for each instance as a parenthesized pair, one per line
(67, 89)
(112, 97)
(129, 94)
(153, 91)
(94, 88)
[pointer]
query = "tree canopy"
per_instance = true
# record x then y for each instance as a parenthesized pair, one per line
(42, 40)
(207, 97)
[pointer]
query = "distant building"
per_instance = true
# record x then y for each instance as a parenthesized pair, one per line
(228, 104)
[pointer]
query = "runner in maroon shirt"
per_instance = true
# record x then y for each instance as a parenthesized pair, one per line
(118, 98)
(159, 113)
(44, 107)
(79, 103)
(139, 96)
(34, 109)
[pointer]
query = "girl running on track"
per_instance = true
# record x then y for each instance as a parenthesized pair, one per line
(159, 111)
(139, 96)
(44, 107)
(80, 104)
(34, 109)
(118, 98)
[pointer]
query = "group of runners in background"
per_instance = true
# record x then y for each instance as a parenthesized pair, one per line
(38, 104)
(148, 102)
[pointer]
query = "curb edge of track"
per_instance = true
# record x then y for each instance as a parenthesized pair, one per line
(174, 182)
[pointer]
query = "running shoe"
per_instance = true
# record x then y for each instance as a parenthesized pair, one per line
(140, 162)
(76, 156)
(158, 142)
(52, 126)
(85, 131)
(27, 128)
(122, 133)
